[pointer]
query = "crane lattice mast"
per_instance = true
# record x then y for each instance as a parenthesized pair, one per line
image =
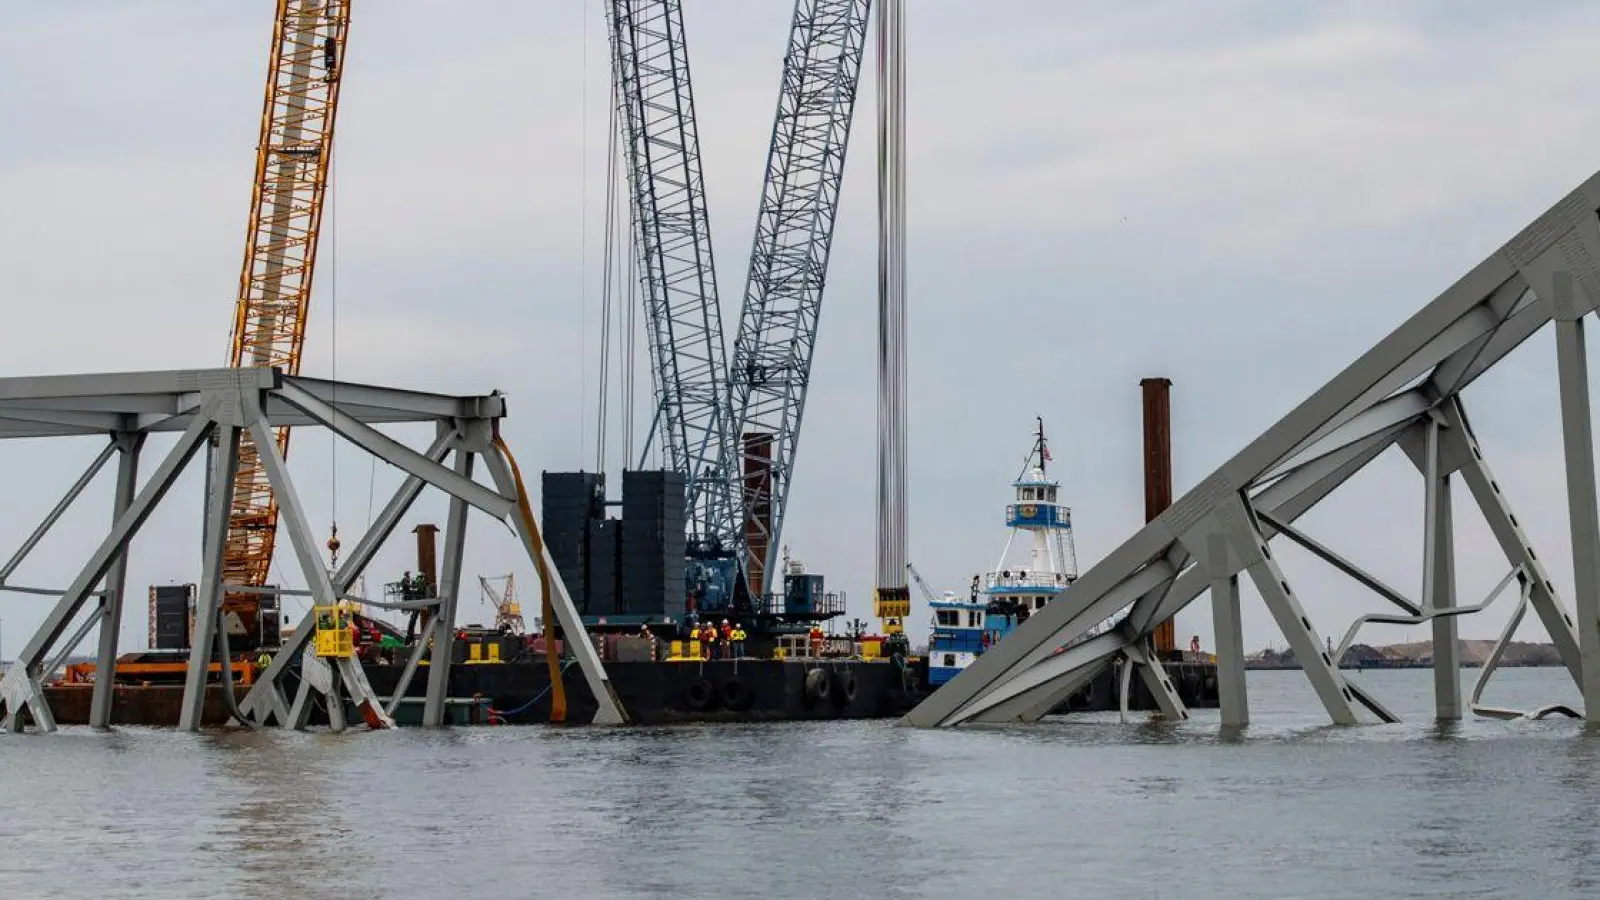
(673, 238)
(789, 262)
(291, 180)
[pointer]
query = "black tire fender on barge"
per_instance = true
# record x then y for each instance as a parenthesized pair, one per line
(818, 685)
(736, 695)
(700, 695)
(844, 690)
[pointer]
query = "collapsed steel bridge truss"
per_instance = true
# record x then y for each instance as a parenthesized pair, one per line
(212, 410)
(1406, 392)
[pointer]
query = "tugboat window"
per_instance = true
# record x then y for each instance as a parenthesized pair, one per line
(949, 659)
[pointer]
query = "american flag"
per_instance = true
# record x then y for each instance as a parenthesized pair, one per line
(1044, 453)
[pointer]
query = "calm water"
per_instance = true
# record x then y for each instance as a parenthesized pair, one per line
(1075, 808)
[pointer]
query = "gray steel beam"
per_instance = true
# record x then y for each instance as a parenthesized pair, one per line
(1016, 698)
(417, 404)
(134, 384)
(1285, 607)
(60, 508)
(1455, 339)
(397, 454)
(444, 632)
(208, 598)
(266, 698)
(1232, 696)
(1078, 612)
(1328, 555)
(413, 659)
(34, 652)
(1154, 675)
(1399, 410)
(1577, 432)
(293, 519)
(1511, 537)
(21, 685)
(1439, 579)
(111, 602)
(389, 517)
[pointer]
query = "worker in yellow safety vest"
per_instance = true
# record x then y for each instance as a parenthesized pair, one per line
(737, 637)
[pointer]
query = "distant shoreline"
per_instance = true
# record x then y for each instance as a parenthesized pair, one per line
(1363, 667)
(1472, 653)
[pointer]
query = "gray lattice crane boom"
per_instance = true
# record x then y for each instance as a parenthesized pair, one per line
(789, 263)
(672, 235)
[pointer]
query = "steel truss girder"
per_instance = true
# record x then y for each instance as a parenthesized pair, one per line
(672, 234)
(789, 260)
(230, 403)
(1413, 375)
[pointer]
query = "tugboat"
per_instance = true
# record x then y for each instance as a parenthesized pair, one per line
(1001, 599)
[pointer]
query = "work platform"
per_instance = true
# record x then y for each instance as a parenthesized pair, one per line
(211, 409)
(1406, 392)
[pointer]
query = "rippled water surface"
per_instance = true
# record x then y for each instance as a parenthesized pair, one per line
(1071, 808)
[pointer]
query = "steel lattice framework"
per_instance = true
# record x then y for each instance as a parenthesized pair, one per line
(291, 178)
(789, 260)
(221, 407)
(673, 238)
(1405, 392)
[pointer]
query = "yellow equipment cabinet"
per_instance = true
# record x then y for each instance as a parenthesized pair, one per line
(333, 633)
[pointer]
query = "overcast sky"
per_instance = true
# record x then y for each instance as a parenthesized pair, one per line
(1240, 196)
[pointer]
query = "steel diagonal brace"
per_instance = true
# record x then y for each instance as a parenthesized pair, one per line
(353, 679)
(21, 684)
(266, 697)
(1237, 520)
(1508, 532)
(1368, 580)
(1155, 678)
(60, 509)
(396, 454)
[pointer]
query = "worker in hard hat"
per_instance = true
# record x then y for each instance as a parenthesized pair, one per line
(708, 640)
(738, 641)
(727, 640)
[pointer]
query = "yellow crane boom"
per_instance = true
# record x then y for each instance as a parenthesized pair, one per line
(291, 179)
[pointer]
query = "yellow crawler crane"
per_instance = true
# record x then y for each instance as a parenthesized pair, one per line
(291, 180)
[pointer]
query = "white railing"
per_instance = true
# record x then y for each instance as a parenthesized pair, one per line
(1021, 580)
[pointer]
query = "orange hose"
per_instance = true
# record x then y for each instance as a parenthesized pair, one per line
(558, 690)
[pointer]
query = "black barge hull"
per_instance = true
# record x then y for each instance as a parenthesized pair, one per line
(752, 690)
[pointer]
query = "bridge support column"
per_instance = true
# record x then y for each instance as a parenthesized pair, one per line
(1232, 696)
(1439, 578)
(128, 445)
(1577, 433)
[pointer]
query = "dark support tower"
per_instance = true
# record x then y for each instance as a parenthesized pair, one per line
(1158, 478)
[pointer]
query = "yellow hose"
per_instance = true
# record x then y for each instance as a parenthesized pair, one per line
(558, 690)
